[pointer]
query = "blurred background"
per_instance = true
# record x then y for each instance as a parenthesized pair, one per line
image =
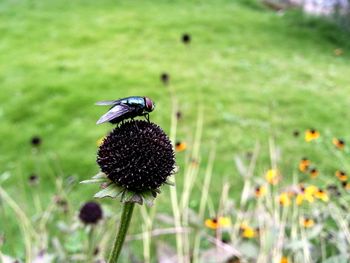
(254, 70)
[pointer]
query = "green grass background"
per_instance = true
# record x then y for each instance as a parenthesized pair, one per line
(257, 74)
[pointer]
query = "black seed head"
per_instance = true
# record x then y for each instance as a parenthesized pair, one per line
(137, 155)
(296, 133)
(164, 77)
(186, 38)
(90, 213)
(36, 141)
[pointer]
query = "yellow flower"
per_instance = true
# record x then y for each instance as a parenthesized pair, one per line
(284, 260)
(180, 146)
(314, 173)
(307, 222)
(320, 194)
(310, 190)
(215, 223)
(346, 185)
(339, 143)
(299, 199)
(304, 165)
(342, 176)
(247, 231)
(100, 141)
(260, 191)
(311, 134)
(284, 199)
(307, 194)
(272, 176)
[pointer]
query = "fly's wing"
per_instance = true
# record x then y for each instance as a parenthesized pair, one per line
(108, 102)
(114, 112)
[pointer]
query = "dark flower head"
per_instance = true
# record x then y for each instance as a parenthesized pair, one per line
(90, 213)
(36, 141)
(186, 38)
(137, 155)
(164, 77)
(33, 179)
(178, 115)
(296, 133)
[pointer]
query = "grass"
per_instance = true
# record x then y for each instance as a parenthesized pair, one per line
(256, 74)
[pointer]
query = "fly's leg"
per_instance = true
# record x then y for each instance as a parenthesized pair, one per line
(146, 115)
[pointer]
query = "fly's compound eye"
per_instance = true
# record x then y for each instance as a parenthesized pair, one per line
(149, 104)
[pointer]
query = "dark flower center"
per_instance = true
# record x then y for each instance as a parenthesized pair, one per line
(186, 38)
(137, 155)
(164, 78)
(90, 213)
(36, 141)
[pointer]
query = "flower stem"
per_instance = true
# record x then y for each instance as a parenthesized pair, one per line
(90, 245)
(123, 228)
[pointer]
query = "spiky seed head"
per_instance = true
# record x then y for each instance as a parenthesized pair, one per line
(137, 155)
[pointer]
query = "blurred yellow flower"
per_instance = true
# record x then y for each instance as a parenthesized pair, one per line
(308, 194)
(304, 165)
(180, 146)
(215, 223)
(341, 175)
(322, 195)
(307, 222)
(310, 190)
(284, 199)
(100, 141)
(299, 199)
(311, 134)
(260, 191)
(339, 143)
(314, 173)
(272, 176)
(284, 260)
(346, 185)
(247, 231)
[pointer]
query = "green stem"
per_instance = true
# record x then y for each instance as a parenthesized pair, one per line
(90, 247)
(123, 228)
